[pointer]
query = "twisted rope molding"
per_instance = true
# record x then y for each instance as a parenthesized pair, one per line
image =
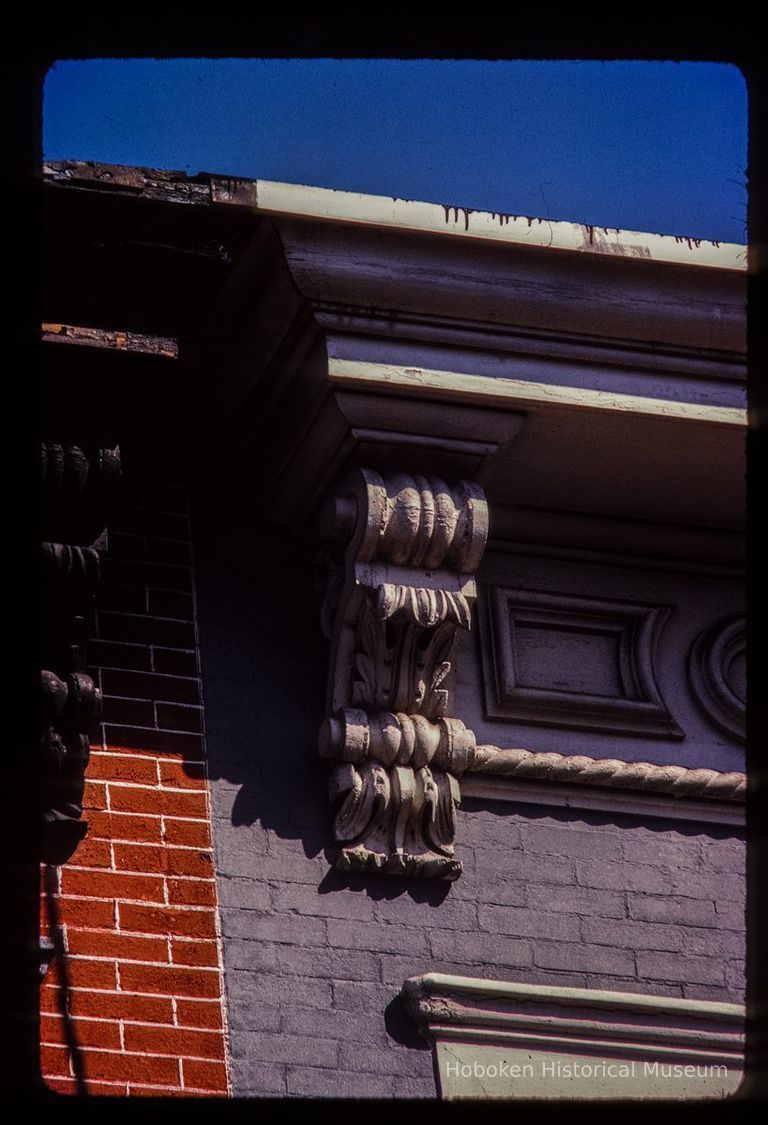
(581, 770)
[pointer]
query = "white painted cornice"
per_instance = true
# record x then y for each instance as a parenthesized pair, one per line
(473, 224)
(378, 253)
(508, 1039)
(305, 201)
(418, 991)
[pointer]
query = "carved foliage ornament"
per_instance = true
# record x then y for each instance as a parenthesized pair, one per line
(393, 604)
(77, 490)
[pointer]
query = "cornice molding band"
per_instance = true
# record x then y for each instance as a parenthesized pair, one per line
(679, 781)
(354, 736)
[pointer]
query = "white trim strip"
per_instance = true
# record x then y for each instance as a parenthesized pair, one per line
(518, 393)
(465, 222)
(435, 984)
(306, 202)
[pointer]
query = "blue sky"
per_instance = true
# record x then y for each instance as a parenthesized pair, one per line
(651, 146)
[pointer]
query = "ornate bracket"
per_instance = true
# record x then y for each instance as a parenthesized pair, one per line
(393, 605)
(78, 491)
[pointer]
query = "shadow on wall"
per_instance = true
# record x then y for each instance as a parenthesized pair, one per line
(60, 966)
(264, 666)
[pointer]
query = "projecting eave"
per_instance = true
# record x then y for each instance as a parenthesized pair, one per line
(495, 280)
(565, 368)
(304, 201)
(574, 381)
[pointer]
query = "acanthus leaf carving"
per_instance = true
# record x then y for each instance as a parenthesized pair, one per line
(399, 821)
(393, 605)
(402, 665)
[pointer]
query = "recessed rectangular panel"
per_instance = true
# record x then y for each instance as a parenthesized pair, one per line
(579, 659)
(580, 662)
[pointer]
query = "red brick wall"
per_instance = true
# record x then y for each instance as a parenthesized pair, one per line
(136, 1008)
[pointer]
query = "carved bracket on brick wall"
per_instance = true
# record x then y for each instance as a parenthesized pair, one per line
(78, 492)
(394, 601)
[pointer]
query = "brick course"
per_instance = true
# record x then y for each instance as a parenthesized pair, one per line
(137, 901)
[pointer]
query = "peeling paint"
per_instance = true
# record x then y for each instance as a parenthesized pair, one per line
(111, 339)
(466, 211)
(234, 190)
(691, 242)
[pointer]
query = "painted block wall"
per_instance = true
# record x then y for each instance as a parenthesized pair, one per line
(314, 959)
(134, 1006)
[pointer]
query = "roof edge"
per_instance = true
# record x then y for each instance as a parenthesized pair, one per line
(328, 204)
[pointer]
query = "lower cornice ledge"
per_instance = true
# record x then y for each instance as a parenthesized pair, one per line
(505, 1039)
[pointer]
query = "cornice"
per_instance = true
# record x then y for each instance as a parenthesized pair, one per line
(484, 348)
(474, 224)
(507, 1039)
(549, 345)
(423, 258)
(305, 201)
(418, 991)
